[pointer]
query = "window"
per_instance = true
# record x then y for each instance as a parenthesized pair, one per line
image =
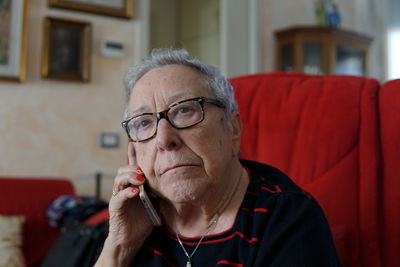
(393, 39)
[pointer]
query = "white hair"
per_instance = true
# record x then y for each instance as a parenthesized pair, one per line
(159, 57)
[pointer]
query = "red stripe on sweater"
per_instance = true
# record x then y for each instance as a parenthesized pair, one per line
(251, 240)
(255, 210)
(249, 211)
(261, 210)
(230, 263)
(276, 190)
(157, 252)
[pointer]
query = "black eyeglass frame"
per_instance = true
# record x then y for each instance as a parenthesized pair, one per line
(163, 115)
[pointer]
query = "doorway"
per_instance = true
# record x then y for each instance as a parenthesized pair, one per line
(223, 33)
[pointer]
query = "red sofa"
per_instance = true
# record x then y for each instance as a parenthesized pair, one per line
(31, 197)
(339, 138)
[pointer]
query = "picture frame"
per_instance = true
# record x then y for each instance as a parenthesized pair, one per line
(117, 8)
(66, 51)
(13, 37)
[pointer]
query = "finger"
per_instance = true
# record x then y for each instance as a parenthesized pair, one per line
(122, 196)
(127, 179)
(129, 168)
(131, 154)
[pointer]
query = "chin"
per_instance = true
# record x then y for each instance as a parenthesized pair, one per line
(182, 191)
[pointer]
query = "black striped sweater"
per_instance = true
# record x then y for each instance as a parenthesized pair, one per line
(278, 224)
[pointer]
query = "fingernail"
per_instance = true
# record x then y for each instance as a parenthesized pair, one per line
(134, 190)
(140, 178)
(139, 169)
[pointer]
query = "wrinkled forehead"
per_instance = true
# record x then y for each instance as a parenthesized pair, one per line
(162, 86)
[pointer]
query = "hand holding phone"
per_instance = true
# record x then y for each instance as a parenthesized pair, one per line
(151, 211)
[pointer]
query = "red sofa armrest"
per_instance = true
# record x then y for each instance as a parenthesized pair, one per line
(31, 197)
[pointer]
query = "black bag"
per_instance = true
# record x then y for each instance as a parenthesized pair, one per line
(79, 245)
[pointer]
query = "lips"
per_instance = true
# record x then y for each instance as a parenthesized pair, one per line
(177, 166)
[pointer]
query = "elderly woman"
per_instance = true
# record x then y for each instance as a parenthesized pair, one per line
(184, 137)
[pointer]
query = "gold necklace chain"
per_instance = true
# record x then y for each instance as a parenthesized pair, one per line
(213, 223)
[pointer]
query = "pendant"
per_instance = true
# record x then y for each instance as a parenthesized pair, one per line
(188, 264)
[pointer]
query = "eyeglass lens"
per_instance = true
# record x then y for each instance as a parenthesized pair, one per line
(181, 115)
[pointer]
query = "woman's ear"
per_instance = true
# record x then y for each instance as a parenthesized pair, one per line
(236, 132)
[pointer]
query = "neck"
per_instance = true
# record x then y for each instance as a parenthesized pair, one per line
(220, 203)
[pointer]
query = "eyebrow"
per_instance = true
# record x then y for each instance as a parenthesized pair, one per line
(138, 111)
(172, 99)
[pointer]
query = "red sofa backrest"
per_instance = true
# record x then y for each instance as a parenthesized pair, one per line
(323, 132)
(31, 197)
(389, 107)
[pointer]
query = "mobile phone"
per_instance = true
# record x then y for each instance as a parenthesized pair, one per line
(151, 211)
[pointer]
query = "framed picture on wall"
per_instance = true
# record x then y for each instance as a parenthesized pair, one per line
(118, 8)
(66, 49)
(13, 15)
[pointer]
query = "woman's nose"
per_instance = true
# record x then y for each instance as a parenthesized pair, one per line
(167, 136)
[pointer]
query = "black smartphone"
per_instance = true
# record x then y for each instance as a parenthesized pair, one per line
(151, 211)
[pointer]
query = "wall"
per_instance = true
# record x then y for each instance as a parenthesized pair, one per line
(357, 15)
(164, 23)
(51, 128)
(199, 31)
(391, 19)
(173, 23)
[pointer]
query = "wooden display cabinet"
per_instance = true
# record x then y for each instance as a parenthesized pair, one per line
(323, 50)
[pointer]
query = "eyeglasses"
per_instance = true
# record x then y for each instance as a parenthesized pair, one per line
(180, 115)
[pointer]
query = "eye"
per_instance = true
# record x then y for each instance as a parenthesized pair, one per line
(144, 123)
(141, 123)
(183, 110)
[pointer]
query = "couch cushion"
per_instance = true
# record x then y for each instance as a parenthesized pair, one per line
(323, 132)
(98, 217)
(31, 197)
(11, 240)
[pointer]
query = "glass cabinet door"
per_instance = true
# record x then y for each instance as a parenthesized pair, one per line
(350, 61)
(288, 57)
(313, 58)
